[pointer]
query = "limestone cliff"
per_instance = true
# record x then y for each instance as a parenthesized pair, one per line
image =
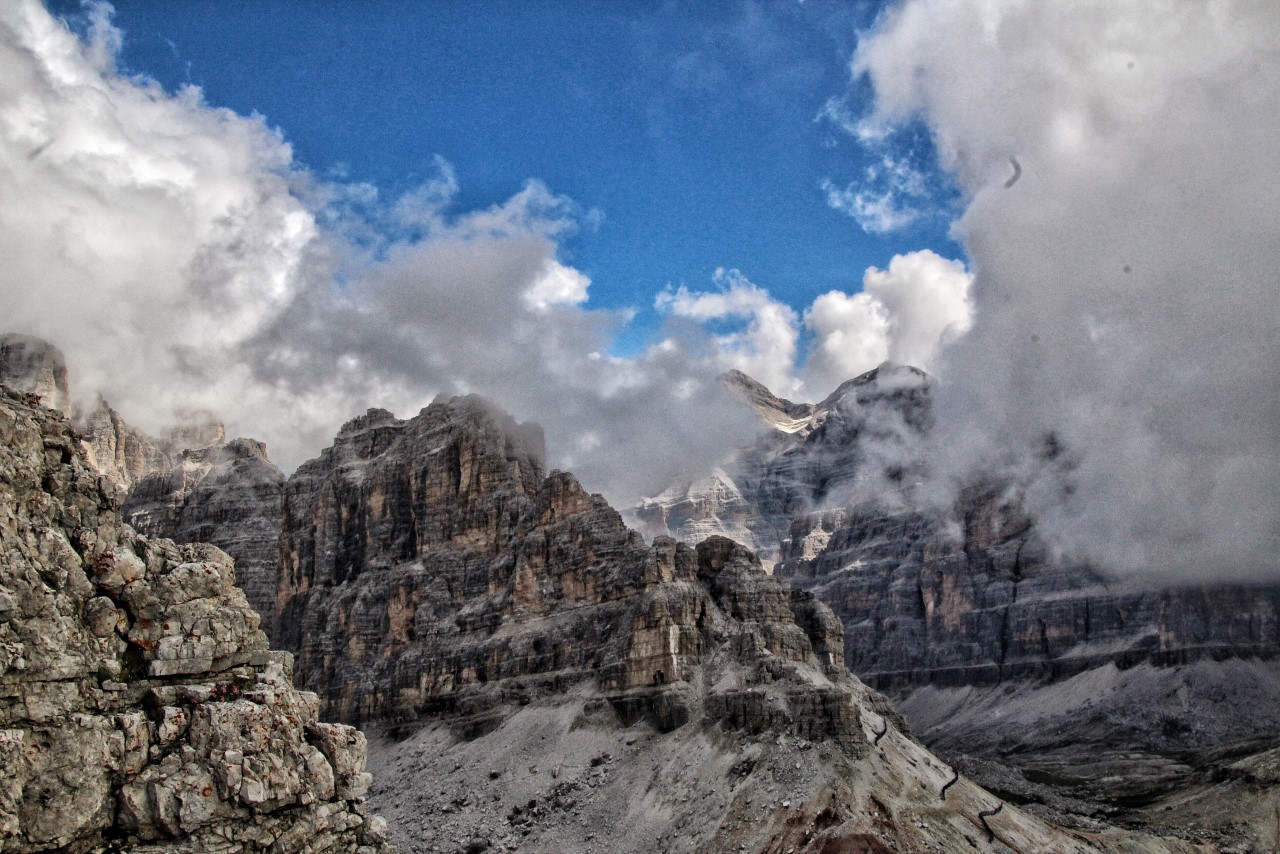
(140, 708)
(985, 641)
(500, 628)
(227, 495)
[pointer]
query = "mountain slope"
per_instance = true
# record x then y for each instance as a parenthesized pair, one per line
(538, 678)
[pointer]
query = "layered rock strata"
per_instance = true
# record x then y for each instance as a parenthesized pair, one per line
(140, 708)
(925, 602)
(227, 495)
(512, 641)
(1089, 687)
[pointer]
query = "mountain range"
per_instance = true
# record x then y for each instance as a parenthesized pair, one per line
(532, 674)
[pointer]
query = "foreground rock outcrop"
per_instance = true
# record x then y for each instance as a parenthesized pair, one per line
(140, 708)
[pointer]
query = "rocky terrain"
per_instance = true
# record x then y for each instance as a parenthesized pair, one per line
(989, 646)
(35, 366)
(140, 707)
(539, 678)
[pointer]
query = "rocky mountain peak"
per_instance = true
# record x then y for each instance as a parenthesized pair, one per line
(775, 411)
(33, 365)
(861, 440)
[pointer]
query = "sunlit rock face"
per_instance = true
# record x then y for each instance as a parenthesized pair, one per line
(140, 706)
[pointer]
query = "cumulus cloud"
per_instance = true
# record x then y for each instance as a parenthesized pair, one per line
(557, 285)
(182, 260)
(765, 349)
(1121, 365)
(851, 336)
(904, 314)
(926, 300)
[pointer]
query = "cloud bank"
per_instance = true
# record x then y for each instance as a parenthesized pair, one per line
(182, 259)
(904, 314)
(1122, 362)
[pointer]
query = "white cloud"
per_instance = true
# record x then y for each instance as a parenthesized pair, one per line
(892, 193)
(557, 285)
(904, 314)
(851, 336)
(1126, 284)
(765, 349)
(182, 260)
(875, 212)
(926, 300)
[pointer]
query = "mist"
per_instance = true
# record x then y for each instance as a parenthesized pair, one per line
(1122, 207)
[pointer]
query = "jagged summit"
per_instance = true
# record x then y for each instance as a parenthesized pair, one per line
(33, 365)
(801, 418)
(858, 440)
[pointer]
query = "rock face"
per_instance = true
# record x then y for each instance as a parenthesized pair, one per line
(186, 486)
(227, 495)
(810, 456)
(987, 643)
(925, 604)
(985, 611)
(126, 455)
(35, 366)
(140, 708)
(500, 628)
(122, 453)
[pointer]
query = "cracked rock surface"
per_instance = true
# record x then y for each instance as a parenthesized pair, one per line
(140, 707)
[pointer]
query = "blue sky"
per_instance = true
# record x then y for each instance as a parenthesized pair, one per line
(688, 135)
